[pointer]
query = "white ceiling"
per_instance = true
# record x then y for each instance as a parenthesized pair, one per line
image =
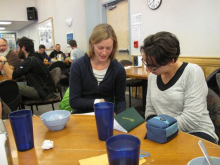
(16, 25)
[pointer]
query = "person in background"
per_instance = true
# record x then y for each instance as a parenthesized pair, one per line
(12, 58)
(75, 52)
(57, 51)
(98, 76)
(39, 80)
(176, 88)
(42, 52)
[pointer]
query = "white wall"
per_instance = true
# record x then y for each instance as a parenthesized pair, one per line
(196, 23)
(15, 10)
(92, 15)
(60, 10)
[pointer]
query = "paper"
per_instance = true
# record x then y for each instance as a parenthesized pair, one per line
(101, 160)
(89, 113)
(136, 32)
(136, 19)
(47, 144)
(118, 127)
(127, 120)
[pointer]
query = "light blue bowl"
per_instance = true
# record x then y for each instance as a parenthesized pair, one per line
(203, 161)
(55, 120)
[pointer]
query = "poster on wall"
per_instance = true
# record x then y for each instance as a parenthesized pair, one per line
(69, 36)
(136, 19)
(11, 39)
(46, 36)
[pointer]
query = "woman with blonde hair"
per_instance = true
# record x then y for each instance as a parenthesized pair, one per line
(98, 76)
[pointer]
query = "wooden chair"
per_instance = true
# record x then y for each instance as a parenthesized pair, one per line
(56, 74)
(211, 81)
(9, 94)
(131, 82)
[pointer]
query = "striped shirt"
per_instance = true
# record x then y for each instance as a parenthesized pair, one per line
(99, 74)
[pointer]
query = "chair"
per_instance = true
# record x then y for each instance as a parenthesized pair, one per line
(56, 74)
(64, 72)
(131, 82)
(213, 106)
(211, 81)
(9, 93)
(217, 76)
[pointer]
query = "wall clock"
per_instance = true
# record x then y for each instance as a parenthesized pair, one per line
(154, 4)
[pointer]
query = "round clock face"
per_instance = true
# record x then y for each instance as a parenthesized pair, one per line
(154, 4)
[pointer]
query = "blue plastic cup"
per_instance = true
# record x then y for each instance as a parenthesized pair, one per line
(104, 115)
(49, 59)
(22, 127)
(123, 149)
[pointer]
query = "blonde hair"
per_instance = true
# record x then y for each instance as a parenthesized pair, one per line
(102, 32)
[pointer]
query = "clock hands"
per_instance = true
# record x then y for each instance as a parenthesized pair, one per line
(154, 4)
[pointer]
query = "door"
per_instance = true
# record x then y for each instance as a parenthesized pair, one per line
(117, 17)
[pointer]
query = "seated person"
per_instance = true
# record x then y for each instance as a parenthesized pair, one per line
(75, 52)
(98, 76)
(176, 88)
(39, 80)
(10, 55)
(42, 52)
(57, 51)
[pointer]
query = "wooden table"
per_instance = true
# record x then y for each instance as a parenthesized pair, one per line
(139, 73)
(48, 63)
(79, 140)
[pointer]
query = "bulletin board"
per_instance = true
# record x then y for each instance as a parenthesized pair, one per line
(11, 39)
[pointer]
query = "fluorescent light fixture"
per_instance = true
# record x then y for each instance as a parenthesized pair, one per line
(4, 23)
(2, 28)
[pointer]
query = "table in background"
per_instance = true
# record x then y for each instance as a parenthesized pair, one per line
(139, 73)
(50, 62)
(79, 140)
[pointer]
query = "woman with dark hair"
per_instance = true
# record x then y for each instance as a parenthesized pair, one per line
(176, 88)
(98, 76)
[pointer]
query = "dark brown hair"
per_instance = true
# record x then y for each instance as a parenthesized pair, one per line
(27, 43)
(42, 46)
(73, 43)
(162, 46)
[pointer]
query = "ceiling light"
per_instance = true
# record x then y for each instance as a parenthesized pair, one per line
(4, 23)
(2, 28)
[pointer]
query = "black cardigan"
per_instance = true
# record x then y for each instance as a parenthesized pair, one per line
(84, 88)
